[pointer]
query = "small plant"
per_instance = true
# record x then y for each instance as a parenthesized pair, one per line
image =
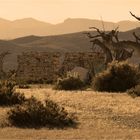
(118, 77)
(8, 96)
(72, 74)
(34, 114)
(69, 83)
(135, 91)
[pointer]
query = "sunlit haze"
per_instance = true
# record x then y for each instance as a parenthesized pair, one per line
(55, 11)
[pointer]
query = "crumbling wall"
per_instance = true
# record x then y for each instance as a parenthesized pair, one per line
(36, 66)
(82, 59)
(47, 65)
(2, 56)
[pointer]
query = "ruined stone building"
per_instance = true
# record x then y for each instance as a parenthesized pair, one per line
(49, 66)
(35, 66)
(2, 56)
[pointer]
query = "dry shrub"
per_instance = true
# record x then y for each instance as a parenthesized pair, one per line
(118, 77)
(34, 114)
(135, 91)
(70, 83)
(8, 96)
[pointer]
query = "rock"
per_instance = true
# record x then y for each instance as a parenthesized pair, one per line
(82, 72)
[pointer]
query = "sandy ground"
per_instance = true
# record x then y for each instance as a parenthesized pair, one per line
(101, 116)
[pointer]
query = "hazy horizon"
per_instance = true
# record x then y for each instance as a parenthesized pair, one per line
(56, 11)
(24, 18)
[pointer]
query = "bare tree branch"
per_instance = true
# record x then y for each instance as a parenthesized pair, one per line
(90, 35)
(96, 29)
(136, 37)
(110, 45)
(138, 18)
(105, 49)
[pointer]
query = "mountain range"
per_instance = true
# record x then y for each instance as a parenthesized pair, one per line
(29, 26)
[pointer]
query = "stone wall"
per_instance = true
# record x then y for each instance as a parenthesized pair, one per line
(49, 66)
(81, 59)
(2, 56)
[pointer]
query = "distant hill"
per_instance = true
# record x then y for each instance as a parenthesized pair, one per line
(26, 39)
(29, 26)
(60, 43)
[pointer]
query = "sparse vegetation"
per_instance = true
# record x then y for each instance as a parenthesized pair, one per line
(8, 96)
(100, 116)
(118, 77)
(34, 113)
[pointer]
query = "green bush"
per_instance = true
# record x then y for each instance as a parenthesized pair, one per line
(8, 96)
(35, 114)
(70, 83)
(119, 76)
(135, 91)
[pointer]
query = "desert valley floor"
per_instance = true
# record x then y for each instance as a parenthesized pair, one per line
(106, 116)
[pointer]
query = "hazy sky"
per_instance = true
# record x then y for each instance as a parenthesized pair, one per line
(55, 11)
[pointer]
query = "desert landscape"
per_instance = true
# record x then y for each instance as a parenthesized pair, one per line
(69, 70)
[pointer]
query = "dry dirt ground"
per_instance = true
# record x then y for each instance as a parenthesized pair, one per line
(101, 116)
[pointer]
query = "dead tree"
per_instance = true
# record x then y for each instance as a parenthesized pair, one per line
(136, 17)
(109, 43)
(134, 34)
(136, 37)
